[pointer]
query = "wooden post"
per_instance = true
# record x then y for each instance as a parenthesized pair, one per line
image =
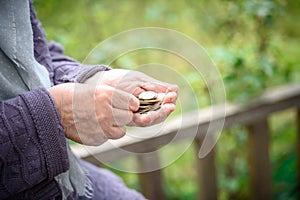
(259, 161)
(298, 150)
(151, 182)
(207, 180)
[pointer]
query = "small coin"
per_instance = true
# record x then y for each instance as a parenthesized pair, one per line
(145, 107)
(149, 101)
(155, 107)
(146, 104)
(143, 110)
(148, 95)
(147, 110)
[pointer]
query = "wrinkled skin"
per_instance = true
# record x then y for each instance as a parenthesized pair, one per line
(100, 108)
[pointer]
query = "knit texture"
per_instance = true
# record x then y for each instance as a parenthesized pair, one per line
(49, 126)
(33, 147)
(88, 71)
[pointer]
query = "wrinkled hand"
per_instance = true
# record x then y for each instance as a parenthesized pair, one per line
(91, 115)
(134, 82)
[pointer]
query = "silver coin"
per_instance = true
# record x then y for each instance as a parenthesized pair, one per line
(148, 95)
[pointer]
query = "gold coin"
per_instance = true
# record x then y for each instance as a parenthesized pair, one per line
(149, 101)
(144, 107)
(155, 107)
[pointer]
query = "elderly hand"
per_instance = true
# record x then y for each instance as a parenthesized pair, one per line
(134, 82)
(91, 115)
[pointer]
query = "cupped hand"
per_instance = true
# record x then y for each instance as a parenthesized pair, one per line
(135, 82)
(91, 115)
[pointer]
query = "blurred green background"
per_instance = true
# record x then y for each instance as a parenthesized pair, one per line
(254, 43)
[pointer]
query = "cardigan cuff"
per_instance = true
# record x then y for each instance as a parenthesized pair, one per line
(49, 130)
(88, 71)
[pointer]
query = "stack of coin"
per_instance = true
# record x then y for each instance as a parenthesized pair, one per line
(148, 102)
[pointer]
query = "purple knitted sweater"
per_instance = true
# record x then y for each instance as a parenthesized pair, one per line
(32, 141)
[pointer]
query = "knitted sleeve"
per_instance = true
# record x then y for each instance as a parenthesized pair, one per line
(67, 69)
(32, 142)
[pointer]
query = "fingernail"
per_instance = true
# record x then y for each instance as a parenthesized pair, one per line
(134, 105)
(133, 108)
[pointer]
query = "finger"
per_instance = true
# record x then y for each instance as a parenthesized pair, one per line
(108, 128)
(172, 88)
(124, 100)
(116, 132)
(132, 87)
(138, 91)
(159, 87)
(152, 117)
(169, 97)
(121, 117)
(164, 112)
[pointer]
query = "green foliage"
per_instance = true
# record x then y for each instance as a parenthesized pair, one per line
(254, 43)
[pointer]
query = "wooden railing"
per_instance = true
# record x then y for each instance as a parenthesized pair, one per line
(254, 116)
